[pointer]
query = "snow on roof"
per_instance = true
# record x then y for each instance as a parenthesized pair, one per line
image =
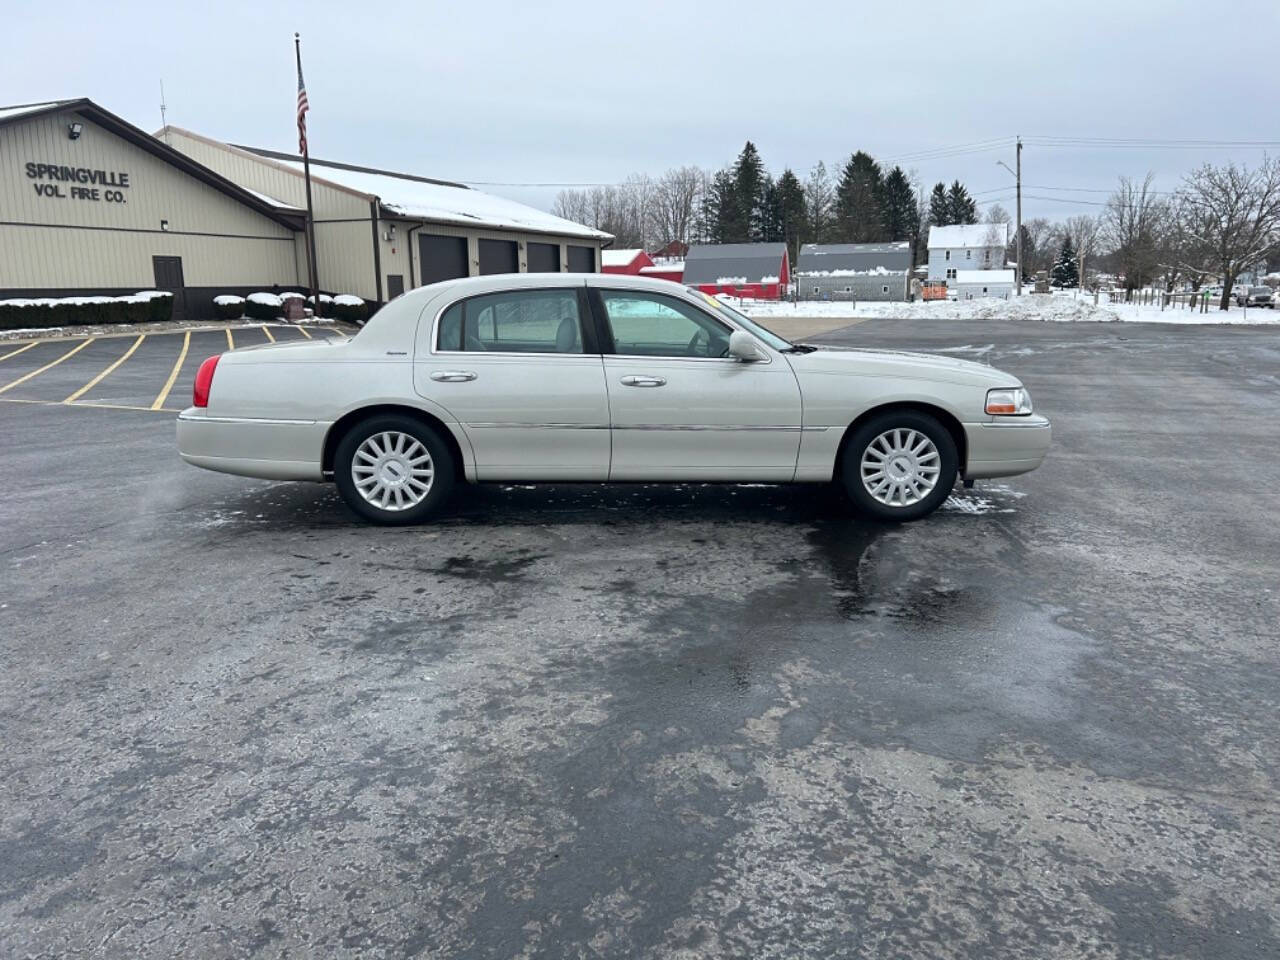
(984, 276)
(417, 198)
(619, 258)
(970, 235)
(853, 259)
(667, 266)
(271, 200)
(8, 113)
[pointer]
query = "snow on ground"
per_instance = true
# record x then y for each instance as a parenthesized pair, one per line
(1059, 307)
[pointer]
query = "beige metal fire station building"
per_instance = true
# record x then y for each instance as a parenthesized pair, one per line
(90, 204)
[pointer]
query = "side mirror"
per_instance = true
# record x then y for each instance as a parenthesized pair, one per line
(743, 346)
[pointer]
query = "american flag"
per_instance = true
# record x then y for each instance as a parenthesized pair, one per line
(303, 107)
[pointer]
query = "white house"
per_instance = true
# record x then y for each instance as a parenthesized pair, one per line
(966, 246)
(972, 284)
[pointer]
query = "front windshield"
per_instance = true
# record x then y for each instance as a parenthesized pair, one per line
(768, 336)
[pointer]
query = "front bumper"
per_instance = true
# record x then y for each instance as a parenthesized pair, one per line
(1006, 447)
(270, 449)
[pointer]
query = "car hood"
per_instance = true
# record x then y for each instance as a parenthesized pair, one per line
(895, 363)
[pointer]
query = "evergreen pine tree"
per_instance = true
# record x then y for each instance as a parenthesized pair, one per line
(961, 206)
(769, 229)
(748, 188)
(720, 209)
(900, 215)
(791, 208)
(860, 201)
(939, 207)
(1066, 271)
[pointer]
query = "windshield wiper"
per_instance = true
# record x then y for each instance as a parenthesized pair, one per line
(800, 348)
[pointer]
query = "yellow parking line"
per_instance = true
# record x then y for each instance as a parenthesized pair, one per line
(14, 353)
(89, 403)
(103, 375)
(231, 344)
(173, 374)
(302, 330)
(36, 373)
(268, 333)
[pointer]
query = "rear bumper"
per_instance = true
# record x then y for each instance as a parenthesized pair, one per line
(270, 449)
(1006, 448)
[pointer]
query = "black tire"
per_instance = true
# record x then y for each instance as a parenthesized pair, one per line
(442, 463)
(867, 433)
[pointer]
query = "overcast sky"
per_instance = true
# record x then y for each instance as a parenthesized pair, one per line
(553, 92)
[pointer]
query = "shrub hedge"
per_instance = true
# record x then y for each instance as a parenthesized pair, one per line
(149, 307)
(263, 306)
(228, 307)
(350, 309)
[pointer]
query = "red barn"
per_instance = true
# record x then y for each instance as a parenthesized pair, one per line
(624, 261)
(665, 269)
(757, 271)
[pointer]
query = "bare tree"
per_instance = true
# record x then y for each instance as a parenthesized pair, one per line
(677, 196)
(1231, 216)
(820, 204)
(1132, 223)
(1084, 232)
(997, 214)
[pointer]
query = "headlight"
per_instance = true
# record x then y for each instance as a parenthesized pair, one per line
(1009, 401)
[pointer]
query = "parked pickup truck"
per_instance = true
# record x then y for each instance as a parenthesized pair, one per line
(1255, 297)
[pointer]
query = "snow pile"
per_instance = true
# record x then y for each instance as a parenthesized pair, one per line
(1059, 307)
(227, 300)
(348, 300)
(726, 281)
(144, 296)
(266, 299)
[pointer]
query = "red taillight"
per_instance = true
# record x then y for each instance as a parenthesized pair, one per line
(204, 380)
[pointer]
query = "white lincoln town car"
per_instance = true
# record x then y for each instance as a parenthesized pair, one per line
(598, 378)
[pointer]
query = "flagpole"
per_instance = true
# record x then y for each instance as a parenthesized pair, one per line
(311, 222)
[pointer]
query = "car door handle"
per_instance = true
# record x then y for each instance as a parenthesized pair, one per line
(643, 381)
(453, 376)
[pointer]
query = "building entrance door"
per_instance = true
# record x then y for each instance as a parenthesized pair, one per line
(168, 272)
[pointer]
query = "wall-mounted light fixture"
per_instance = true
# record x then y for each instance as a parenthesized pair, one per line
(391, 232)
(74, 130)
(164, 225)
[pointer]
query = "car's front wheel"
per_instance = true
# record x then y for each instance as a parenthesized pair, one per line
(393, 469)
(900, 465)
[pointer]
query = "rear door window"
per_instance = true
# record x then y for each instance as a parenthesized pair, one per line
(518, 321)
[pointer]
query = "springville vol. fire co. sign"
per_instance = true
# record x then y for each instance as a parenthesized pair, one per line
(82, 183)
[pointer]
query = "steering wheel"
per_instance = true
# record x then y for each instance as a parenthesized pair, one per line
(696, 346)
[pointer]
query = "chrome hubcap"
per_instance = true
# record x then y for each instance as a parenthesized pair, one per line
(392, 470)
(900, 467)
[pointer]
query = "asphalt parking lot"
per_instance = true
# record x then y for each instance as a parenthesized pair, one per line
(637, 721)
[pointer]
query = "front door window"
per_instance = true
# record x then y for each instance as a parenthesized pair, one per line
(651, 325)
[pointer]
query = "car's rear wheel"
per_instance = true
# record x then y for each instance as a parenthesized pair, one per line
(393, 469)
(900, 465)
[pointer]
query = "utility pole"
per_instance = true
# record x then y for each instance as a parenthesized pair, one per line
(1018, 176)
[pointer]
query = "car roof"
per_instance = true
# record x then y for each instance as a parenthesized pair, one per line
(494, 282)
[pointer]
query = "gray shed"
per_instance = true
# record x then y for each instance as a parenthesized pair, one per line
(755, 269)
(854, 271)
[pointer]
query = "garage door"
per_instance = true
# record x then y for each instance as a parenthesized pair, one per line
(443, 258)
(498, 256)
(582, 260)
(543, 257)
